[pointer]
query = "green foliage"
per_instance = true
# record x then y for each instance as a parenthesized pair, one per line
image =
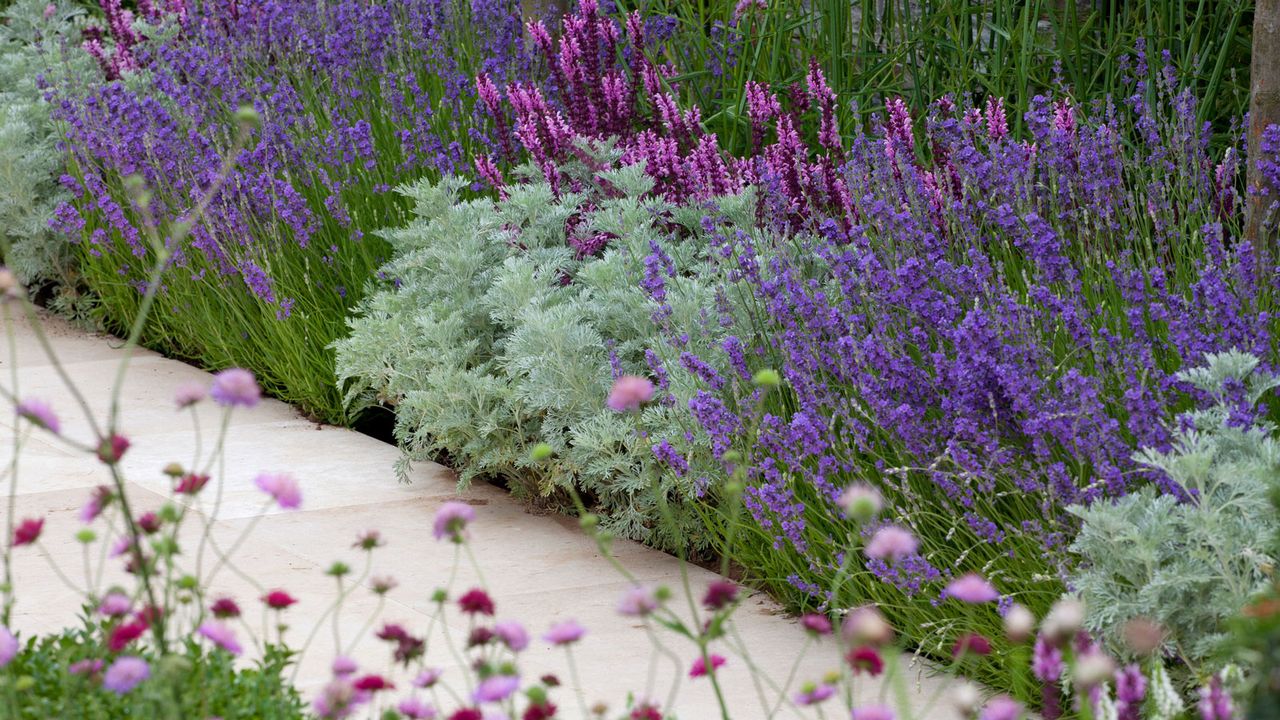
(32, 43)
(1191, 566)
(497, 334)
(190, 684)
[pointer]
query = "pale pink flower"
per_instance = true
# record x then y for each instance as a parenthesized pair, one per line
(8, 646)
(282, 487)
(220, 635)
(452, 519)
(872, 712)
(972, 588)
(343, 666)
(428, 678)
(115, 605)
(235, 386)
(496, 688)
(565, 633)
(512, 634)
(416, 709)
(125, 674)
(814, 694)
(891, 543)
(40, 414)
(629, 393)
(638, 601)
(188, 394)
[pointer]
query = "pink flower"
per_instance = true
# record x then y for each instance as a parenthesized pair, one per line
(565, 633)
(496, 688)
(699, 668)
(629, 393)
(416, 709)
(451, 521)
(86, 667)
(8, 646)
(970, 644)
(813, 694)
(373, 683)
(283, 488)
(28, 531)
(891, 543)
(638, 601)
(865, 659)
(512, 634)
(816, 624)
(40, 414)
(235, 386)
(278, 599)
(188, 394)
(720, 594)
(872, 712)
(125, 674)
(115, 605)
(861, 502)
(343, 666)
(121, 546)
(124, 634)
(112, 449)
(338, 699)
(224, 608)
(972, 588)
(102, 497)
(428, 678)
(190, 484)
(1002, 707)
(220, 635)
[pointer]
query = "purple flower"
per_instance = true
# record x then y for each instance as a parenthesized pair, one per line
(343, 666)
(235, 386)
(813, 694)
(428, 677)
(125, 674)
(565, 633)
(496, 688)
(638, 601)
(451, 521)
(115, 605)
(891, 543)
(188, 394)
(220, 635)
(512, 634)
(872, 712)
(8, 646)
(282, 488)
(416, 709)
(972, 588)
(40, 414)
(1002, 708)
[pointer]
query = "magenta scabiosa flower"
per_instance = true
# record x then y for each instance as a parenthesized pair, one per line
(476, 602)
(220, 635)
(27, 531)
(700, 665)
(282, 488)
(565, 633)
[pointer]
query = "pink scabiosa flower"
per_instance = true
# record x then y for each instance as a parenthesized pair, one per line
(221, 636)
(720, 594)
(28, 531)
(428, 678)
(373, 683)
(224, 608)
(866, 625)
(629, 392)
(115, 605)
(416, 709)
(812, 694)
(476, 602)
(865, 659)
(369, 540)
(235, 386)
(700, 669)
(190, 484)
(383, 584)
(188, 394)
(496, 688)
(638, 601)
(861, 502)
(972, 588)
(512, 634)
(872, 712)
(451, 521)
(149, 523)
(278, 599)
(125, 674)
(816, 624)
(970, 644)
(1002, 707)
(282, 488)
(124, 634)
(8, 646)
(891, 543)
(40, 414)
(91, 666)
(111, 449)
(101, 498)
(565, 633)
(338, 699)
(343, 666)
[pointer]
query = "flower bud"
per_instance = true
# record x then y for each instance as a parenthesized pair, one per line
(1019, 623)
(1064, 620)
(967, 698)
(1093, 669)
(767, 378)
(866, 626)
(248, 117)
(861, 502)
(540, 452)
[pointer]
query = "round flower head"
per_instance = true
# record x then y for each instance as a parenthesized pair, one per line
(811, 694)
(115, 605)
(1064, 620)
(970, 643)
(496, 688)
(720, 594)
(866, 625)
(125, 674)
(225, 607)
(220, 635)
(283, 488)
(278, 599)
(565, 633)
(40, 414)
(891, 543)
(872, 712)
(865, 659)
(235, 386)
(861, 502)
(972, 588)
(700, 669)
(8, 646)
(28, 531)
(816, 624)
(638, 601)
(451, 521)
(476, 602)
(1002, 707)
(629, 393)
(416, 709)
(188, 394)
(343, 666)
(512, 634)
(1019, 623)
(428, 678)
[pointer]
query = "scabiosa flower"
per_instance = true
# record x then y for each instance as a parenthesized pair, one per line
(866, 626)
(91, 666)
(428, 678)
(220, 635)
(416, 709)
(235, 386)
(125, 674)
(816, 624)
(369, 540)
(970, 644)
(565, 633)
(496, 688)
(812, 694)
(1019, 623)
(1064, 620)
(383, 584)
(646, 711)
(224, 608)
(629, 392)
(891, 543)
(112, 449)
(1002, 707)
(149, 523)
(872, 712)
(512, 634)
(1093, 668)
(476, 602)
(338, 699)
(638, 601)
(101, 498)
(1046, 662)
(8, 646)
(861, 502)
(28, 531)
(40, 414)
(124, 634)
(720, 594)
(115, 605)
(700, 669)
(1131, 691)
(190, 484)
(278, 599)
(865, 659)
(343, 666)
(971, 588)
(188, 394)
(282, 488)
(451, 521)
(467, 714)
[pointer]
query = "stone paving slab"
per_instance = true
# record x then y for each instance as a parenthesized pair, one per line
(540, 569)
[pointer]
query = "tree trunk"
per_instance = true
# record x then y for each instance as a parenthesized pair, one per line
(1264, 110)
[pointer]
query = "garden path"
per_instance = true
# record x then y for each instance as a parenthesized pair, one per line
(540, 569)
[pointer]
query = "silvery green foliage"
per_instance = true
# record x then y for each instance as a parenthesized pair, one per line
(34, 42)
(1189, 566)
(495, 337)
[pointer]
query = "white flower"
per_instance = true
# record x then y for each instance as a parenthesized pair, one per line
(1167, 701)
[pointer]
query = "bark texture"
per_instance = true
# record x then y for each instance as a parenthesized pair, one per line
(1264, 110)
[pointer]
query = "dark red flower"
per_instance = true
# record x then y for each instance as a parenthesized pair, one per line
(224, 608)
(408, 649)
(476, 602)
(111, 449)
(28, 531)
(539, 711)
(191, 483)
(971, 644)
(479, 636)
(865, 659)
(550, 680)
(148, 614)
(278, 599)
(124, 634)
(373, 683)
(149, 523)
(646, 712)
(467, 714)
(720, 595)
(392, 632)
(816, 624)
